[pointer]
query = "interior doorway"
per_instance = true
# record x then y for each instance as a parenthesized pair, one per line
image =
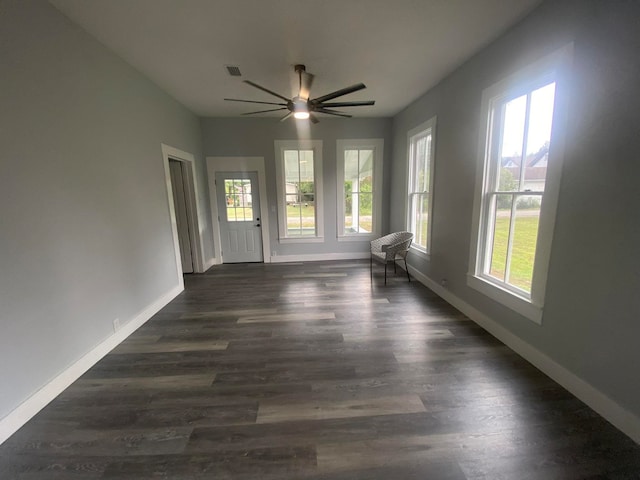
(185, 222)
(181, 206)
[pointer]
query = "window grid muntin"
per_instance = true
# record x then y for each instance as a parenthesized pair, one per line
(497, 120)
(299, 195)
(419, 190)
(357, 193)
(241, 201)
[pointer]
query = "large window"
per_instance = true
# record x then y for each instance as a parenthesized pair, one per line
(420, 187)
(299, 172)
(516, 211)
(359, 188)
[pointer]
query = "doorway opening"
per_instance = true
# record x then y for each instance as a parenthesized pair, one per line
(182, 195)
(181, 207)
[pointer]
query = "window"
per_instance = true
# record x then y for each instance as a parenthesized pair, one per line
(359, 188)
(419, 202)
(299, 174)
(517, 193)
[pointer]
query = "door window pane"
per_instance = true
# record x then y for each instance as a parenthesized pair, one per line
(238, 199)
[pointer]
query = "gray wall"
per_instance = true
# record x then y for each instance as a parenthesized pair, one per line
(255, 137)
(85, 233)
(591, 322)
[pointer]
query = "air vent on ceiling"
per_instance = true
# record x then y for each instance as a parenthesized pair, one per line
(233, 70)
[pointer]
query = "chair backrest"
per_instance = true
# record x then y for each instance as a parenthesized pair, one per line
(402, 243)
(397, 243)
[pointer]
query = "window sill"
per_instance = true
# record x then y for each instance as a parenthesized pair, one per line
(302, 240)
(357, 237)
(509, 299)
(419, 253)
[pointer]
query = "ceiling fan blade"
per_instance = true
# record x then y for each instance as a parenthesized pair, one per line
(347, 104)
(265, 111)
(286, 116)
(266, 90)
(306, 80)
(313, 118)
(331, 112)
(339, 93)
(254, 101)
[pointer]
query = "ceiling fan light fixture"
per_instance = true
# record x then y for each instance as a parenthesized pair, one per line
(302, 107)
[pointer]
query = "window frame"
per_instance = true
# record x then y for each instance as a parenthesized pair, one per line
(280, 147)
(552, 68)
(428, 126)
(342, 145)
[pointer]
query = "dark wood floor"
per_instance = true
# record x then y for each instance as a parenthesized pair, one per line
(310, 371)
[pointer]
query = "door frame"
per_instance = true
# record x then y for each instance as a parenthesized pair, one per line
(238, 164)
(193, 212)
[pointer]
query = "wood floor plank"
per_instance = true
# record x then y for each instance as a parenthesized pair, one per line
(129, 441)
(225, 313)
(270, 412)
(313, 371)
(137, 383)
(175, 346)
(287, 317)
(313, 275)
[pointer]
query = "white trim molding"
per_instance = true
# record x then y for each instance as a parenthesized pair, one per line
(195, 218)
(427, 128)
(551, 68)
(302, 144)
(620, 417)
(30, 407)
(376, 145)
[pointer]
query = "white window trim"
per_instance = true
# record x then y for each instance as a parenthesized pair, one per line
(428, 125)
(377, 145)
(316, 146)
(554, 66)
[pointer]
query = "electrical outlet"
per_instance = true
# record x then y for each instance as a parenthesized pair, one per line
(274, 253)
(116, 324)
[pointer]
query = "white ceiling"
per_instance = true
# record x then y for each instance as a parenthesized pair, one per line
(398, 48)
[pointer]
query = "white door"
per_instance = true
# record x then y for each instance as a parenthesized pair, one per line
(182, 219)
(239, 216)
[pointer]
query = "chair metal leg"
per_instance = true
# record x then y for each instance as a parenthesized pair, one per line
(371, 266)
(395, 267)
(385, 273)
(405, 266)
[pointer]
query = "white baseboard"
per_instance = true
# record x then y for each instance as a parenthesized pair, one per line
(617, 415)
(318, 257)
(32, 405)
(210, 262)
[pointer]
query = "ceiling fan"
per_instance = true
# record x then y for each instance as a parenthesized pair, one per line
(303, 107)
